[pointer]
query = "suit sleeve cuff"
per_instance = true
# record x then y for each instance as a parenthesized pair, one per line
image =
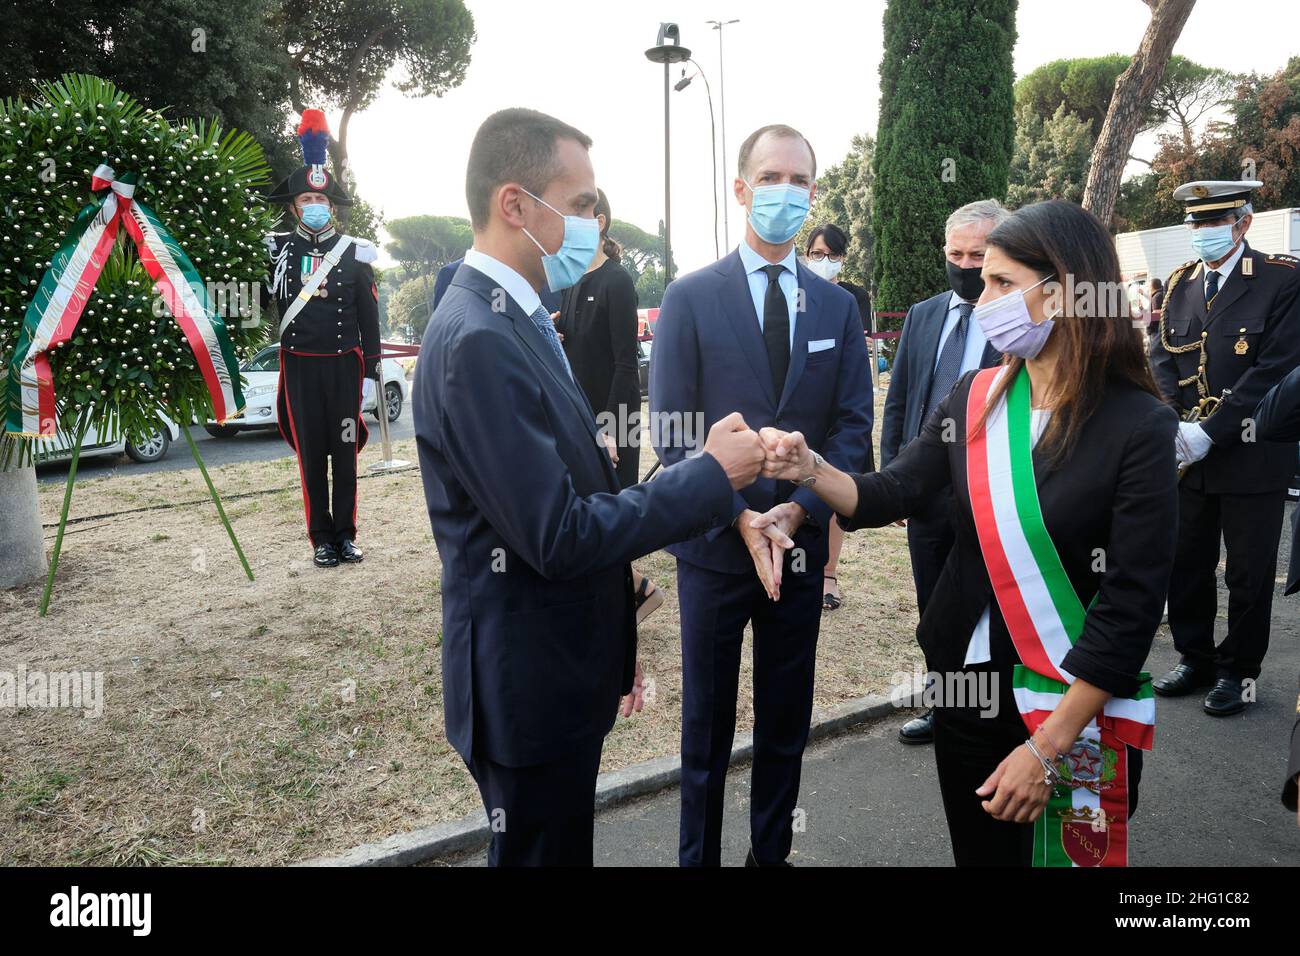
(819, 512)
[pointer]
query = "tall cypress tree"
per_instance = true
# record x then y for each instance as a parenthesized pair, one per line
(946, 131)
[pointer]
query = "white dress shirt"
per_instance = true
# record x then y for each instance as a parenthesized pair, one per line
(1224, 270)
(975, 340)
(788, 281)
(515, 285)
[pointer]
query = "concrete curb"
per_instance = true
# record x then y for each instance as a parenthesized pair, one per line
(472, 833)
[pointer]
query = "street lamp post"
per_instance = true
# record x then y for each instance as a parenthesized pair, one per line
(722, 95)
(668, 50)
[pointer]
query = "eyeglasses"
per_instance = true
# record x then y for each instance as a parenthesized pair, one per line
(819, 256)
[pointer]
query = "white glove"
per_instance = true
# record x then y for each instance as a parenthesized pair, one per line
(1191, 444)
(367, 391)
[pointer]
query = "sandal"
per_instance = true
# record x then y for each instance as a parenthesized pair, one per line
(829, 601)
(647, 601)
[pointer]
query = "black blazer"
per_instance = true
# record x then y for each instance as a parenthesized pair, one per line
(1117, 491)
(1278, 419)
(538, 619)
(909, 381)
(598, 320)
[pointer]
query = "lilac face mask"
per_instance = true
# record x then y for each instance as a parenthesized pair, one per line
(1008, 327)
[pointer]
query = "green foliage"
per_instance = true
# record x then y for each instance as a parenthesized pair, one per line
(1083, 85)
(844, 199)
(643, 258)
(1050, 159)
(235, 70)
(127, 355)
(1265, 129)
(424, 244)
(410, 308)
(945, 136)
(365, 221)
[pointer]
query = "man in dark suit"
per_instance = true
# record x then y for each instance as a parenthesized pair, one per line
(443, 282)
(758, 333)
(940, 343)
(1229, 332)
(539, 637)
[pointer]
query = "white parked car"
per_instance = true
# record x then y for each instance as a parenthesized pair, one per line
(262, 382)
(147, 448)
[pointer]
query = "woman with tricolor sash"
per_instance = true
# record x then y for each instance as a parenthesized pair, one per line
(1062, 462)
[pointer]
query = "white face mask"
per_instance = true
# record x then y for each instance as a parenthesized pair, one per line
(827, 269)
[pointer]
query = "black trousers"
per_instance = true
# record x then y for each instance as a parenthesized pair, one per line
(929, 540)
(967, 749)
(542, 815)
(715, 607)
(320, 395)
(1250, 526)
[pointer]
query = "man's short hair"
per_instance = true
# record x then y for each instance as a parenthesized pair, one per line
(514, 146)
(982, 210)
(776, 129)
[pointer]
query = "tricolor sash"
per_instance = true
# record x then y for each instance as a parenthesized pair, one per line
(1085, 822)
(55, 309)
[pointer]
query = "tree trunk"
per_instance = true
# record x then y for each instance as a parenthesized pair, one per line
(1133, 92)
(22, 559)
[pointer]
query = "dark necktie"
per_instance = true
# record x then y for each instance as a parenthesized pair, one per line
(776, 328)
(1211, 287)
(948, 370)
(542, 319)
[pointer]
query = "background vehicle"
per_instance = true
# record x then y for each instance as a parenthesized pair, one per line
(262, 382)
(143, 448)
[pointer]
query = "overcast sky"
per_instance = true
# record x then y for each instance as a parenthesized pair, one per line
(583, 61)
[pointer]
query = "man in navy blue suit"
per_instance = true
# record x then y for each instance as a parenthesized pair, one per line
(758, 333)
(538, 636)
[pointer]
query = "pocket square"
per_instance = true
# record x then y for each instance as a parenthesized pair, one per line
(820, 345)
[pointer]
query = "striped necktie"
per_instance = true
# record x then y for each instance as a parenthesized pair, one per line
(542, 319)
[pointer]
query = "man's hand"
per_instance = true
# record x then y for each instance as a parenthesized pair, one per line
(610, 445)
(760, 547)
(779, 526)
(634, 700)
(737, 450)
(1191, 444)
(787, 456)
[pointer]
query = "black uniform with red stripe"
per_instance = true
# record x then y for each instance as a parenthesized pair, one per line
(325, 352)
(1251, 331)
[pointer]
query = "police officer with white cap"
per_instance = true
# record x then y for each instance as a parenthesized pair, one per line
(1229, 331)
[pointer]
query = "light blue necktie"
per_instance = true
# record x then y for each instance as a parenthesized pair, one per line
(542, 319)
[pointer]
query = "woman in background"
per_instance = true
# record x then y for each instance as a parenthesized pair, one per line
(824, 255)
(597, 323)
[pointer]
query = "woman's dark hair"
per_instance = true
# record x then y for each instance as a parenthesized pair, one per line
(608, 243)
(834, 237)
(1093, 329)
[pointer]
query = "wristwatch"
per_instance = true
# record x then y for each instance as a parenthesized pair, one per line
(811, 479)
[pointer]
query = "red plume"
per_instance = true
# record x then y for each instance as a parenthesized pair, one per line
(313, 121)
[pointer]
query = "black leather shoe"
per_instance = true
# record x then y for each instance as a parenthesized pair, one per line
(349, 552)
(1180, 681)
(918, 730)
(1227, 697)
(327, 556)
(751, 861)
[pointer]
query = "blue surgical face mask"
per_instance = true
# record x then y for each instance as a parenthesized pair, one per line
(315, 216)
(1007, 325)
(1212, 243)
(777, 211)
(568, 264)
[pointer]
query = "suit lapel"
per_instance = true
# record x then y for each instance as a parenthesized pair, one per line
(738, 306)
(928, 352)
(802, 331)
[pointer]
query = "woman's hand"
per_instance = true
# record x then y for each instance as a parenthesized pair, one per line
(1016, 787)
(787, 456)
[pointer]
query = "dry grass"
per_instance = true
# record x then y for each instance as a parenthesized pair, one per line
(231, 733)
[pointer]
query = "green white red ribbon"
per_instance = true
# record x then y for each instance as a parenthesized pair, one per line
(1086, 820)
(56, 308)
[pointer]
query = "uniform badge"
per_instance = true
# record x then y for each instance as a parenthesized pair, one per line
(1242, 346)
(318, 178)
(1200, 192)
(1247, 266)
